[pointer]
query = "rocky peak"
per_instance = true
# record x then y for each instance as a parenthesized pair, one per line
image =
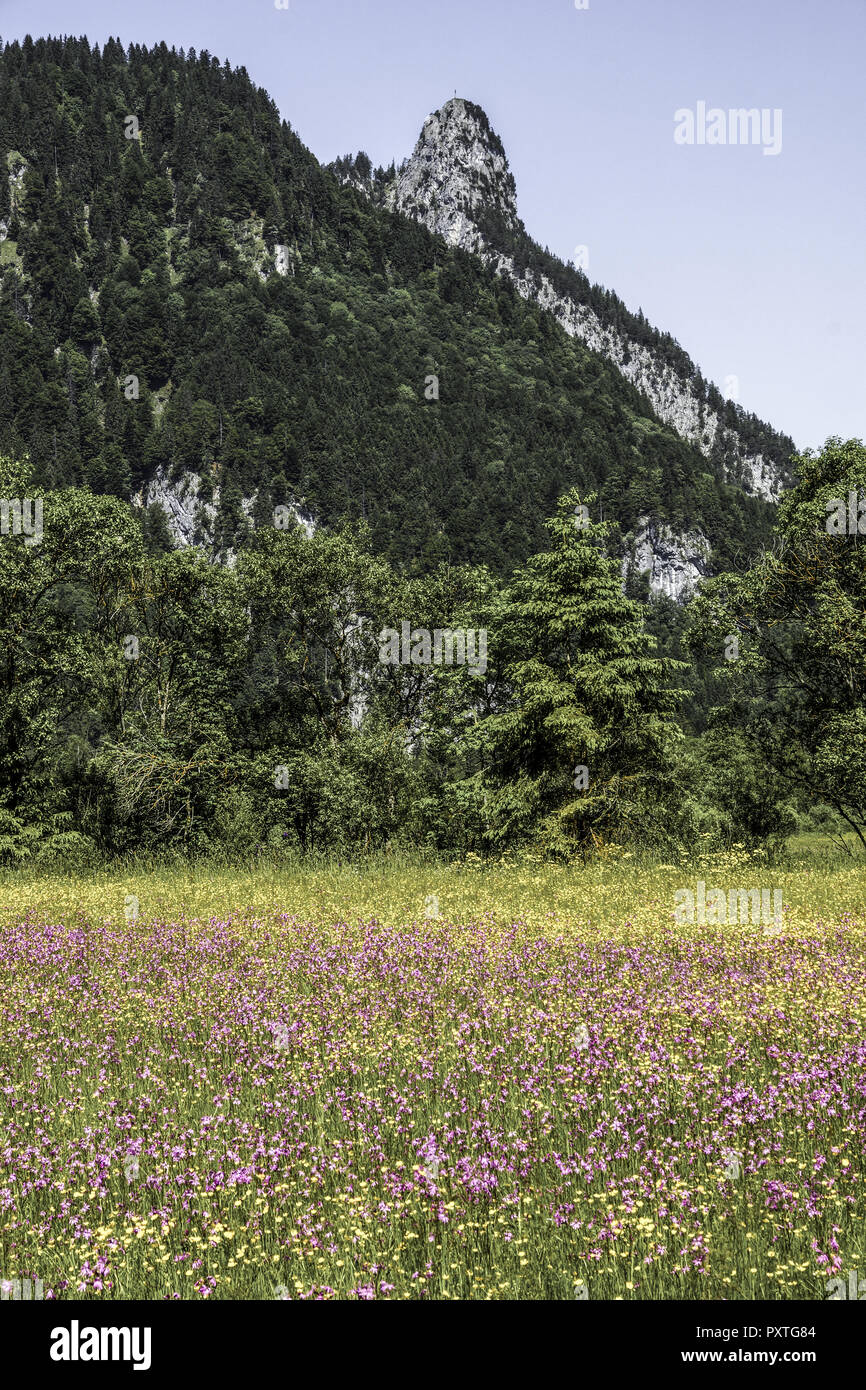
(457, 175)
(458, 184)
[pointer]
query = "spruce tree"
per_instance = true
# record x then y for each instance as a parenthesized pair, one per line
(574, 755)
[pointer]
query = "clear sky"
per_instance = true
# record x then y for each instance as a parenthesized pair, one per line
(755, 263)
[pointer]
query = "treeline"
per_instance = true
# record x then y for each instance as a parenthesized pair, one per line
(158, 701)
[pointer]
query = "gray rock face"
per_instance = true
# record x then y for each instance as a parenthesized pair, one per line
(458, 168)
(180, 503)
(17, 171)
(304, 517)
(674, 561)
(188, 517)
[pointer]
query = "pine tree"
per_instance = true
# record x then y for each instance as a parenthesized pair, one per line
(588, 720)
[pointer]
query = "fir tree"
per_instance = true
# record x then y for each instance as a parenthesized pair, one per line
(589, 721)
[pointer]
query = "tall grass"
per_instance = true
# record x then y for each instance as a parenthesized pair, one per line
(411, 1079)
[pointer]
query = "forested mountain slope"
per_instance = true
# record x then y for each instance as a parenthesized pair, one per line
(190, 301)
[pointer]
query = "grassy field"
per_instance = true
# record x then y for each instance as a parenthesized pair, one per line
(416, 1080)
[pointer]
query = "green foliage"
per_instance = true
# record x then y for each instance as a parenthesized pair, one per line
(798, 687)
(152, 700)
(585, 691)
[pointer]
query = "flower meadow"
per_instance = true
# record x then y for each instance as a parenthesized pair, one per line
(514, 1081)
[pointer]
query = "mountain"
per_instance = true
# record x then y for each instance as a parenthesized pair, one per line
(199, 318)
(458, 184)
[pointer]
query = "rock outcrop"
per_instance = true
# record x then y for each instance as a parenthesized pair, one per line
(191, 519)
(674, 561)
(458, 184)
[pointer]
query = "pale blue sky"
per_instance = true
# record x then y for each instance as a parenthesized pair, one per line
(756, 264)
